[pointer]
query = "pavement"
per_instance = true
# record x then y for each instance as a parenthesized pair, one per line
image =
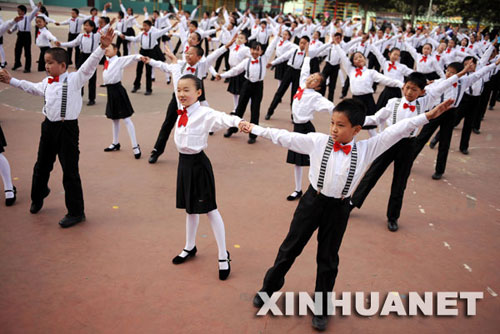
(113, 273)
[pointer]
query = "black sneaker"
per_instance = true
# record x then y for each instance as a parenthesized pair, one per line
(69, 221)
(392, 225)
(319, 322)
(437, 176)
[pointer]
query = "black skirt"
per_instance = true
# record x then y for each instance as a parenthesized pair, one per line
(387, 94)
(165, 38)
(130, 32)
(279, 71)
(3, 142)
(295, 158)
(371, 107)
(195, 184)
(118, 105)
(158, 54)
(235, 84)
(1, 39)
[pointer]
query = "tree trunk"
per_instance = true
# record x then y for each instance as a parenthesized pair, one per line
(413, 11)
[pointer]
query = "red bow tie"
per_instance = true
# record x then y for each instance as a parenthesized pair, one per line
(256, 61)
(192, 69)
(448, 50)
(236, 48)
(86, 35)
(337, 146)
(313, 42)
(281, 43)
(424, 59)
(359, 72)
(438, 57)
(184, 117)
(391, 66)
(471, 46)
(54, 79)
(145, 33)
(300, 53)
(106, 64)
(455, 84)
(299, 93)
(363, 44)
(73, 20)
(255, 26)
(406, 106)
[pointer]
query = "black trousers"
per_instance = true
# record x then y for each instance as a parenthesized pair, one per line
(291, 76)
(495, 87)
(330, 72)
(483, 105)
(41, 59)
(467, 110)
(345, 89)
(124, 42)
(167, 126)
(77, 49)
(140, 67)
(23, 42)
(177, 46)
(328, 215)
(401, 154)
(92, 82)
(446, 123)
(218, 62)
(253, 91)
(59, 139)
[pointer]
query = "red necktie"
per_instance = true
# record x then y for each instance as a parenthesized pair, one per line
(359, 72)
(106, 64)
(300, 53)
(281, 43)
(391, 66)
(183, 120)
(256, 61)
(299, 93)
(337, 146)
(455, 84)
(448, 51)
(54, 79)
(86, 35)
(406, 106)
(438, 57)
(236, 48)
(192, 69)
(424, 59)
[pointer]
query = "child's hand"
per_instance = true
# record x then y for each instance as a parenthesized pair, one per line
(439, 109)
(145, 60)
(218, 77)
(5, 76)
(107, 38)
(269, 65)
(19, 18)
(57, 43)
(244, 126)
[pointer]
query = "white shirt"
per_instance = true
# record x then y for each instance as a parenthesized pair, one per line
(317, 47)
(4, 26)
(94, 18)
(332, 56)
(294, 56)
(87, 42)
(261, 35)
(44, 37)
(362, 47)
(308, 30)
(75, 24)
(396, 71)
(282, 47)
(53, 92)
(349, 29)
(338, 165)
(311, 101)
(237, 53)
(114, 73)
(193, 138)
(25, 24)
(425, 64)
(148, 39)
(451, 55)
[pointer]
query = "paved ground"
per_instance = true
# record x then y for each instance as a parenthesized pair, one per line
(113, 274)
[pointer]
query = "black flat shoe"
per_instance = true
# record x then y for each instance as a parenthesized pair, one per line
(11, 201)
(37, 206)
(257, 301)
(148, 93)
(267, 117)
(113, 147)
(154, 157)
(210, 133)
(135, 89)
(15, 67)
(230, 132)
(224, 273)
(153, 79)
(433, 143)
(437, 176)
(179, 259)
(252, 140)
(476, 131)
(466, 152)
(392, 225)
(69, 221)
(137, 155)
(91, 103)
(319, 322)
(295, 195)
(27, 71)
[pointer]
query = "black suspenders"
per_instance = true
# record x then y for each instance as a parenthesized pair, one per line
(64, 98)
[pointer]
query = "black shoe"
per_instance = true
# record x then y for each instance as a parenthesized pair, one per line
(168, 82)
(476, 131)
(4, 65)
(342, 96)
(113, 147)
(252, 140)
(433, 143)
(26, 71)
(319, 322)
(490, 108)
(16, 67)
(148, 92)
(465, 151)
(392, 225)
(91, 103)
(102, 85)
(135, 89)
(437, 176)
(257, 301)
(137, 155)
(37, 206)
(69, 221)
(268, 116)
(179, 259)
(351, 207)
(226, 80)
(212, 78)
(153, 79)
(224, 273)
(295, 195)
(230, 132)
(11, 201)
(154, 157)
(210, 133)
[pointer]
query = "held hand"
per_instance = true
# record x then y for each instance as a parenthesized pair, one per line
(122, 36)
(57, 43)
(439, 109)
(19, 18)
(57, 24)
(218, 77)
(107, 38)
(5, 76)
(269, 65)
(145, 60)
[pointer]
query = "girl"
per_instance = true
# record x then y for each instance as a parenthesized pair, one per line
(237, 54)
(195, 178)
(426, 64)
(118, 105)
(281, 48)
(10, 190)
(306, 101)
(42, 40)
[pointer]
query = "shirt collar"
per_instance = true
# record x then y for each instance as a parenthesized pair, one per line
(193, 107)
(112, 58)
(62, 77)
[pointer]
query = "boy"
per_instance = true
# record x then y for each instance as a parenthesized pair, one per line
(75, 26)
(325, 205)
(23, 37)
(62, 106)
(42, 40)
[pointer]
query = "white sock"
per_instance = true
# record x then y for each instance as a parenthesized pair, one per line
(7, 179)
(167, 76)
(298, 178)
(220, 235)
(131, 132)
(192, 222)
(152, 73)
(236, 98)
(2, 54)
(342, 78)
(116, 131)
(279, 83)
(372, 132)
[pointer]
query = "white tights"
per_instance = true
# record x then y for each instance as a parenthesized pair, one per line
(2, 54)
(130, 128)
(5, 172)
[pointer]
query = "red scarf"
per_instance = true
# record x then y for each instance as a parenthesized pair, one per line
(359, 72)
(184, 117)
(391, 66)
(299, 93)
(106, 64)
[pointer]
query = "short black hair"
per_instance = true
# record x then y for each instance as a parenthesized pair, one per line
(194, 78)
(306, 38)
(76, 10)
(338, 34)
(148, 22)
(92, 9)
(246, 37)
(418, 79)
(121, 14)
(432, 48)
(22, 8)
(255, 45)
(157, 12)
(106, 19)
(474, 59)
(195, 23)
(198, 49)
(394, 49)
(354, 110)
(90, 23)
(456, 66)
(60, 55)
(263, 22)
